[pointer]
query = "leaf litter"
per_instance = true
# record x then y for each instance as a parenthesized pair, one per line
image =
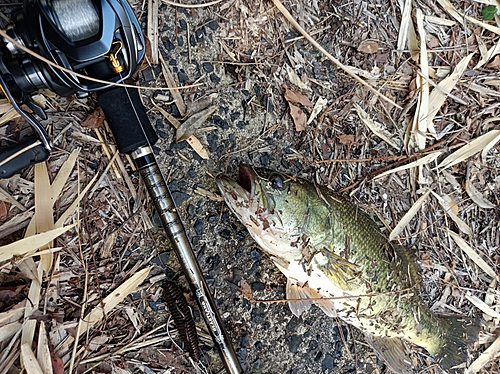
(453, 229)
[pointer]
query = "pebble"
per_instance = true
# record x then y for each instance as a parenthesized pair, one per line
(294, 342)
(221, 122)
(179, 197)
(256, 254)
(200, 34)
(183, 24)
(214, 78)
(191, 210)
(161, 259)
(198, 226)
(242, 124)
(192, 41)
(208, 67)
(257, 315)
(180, 41)
(212, 24)
(258, 286)
(328, 363)
(183, 78)
(169, 46)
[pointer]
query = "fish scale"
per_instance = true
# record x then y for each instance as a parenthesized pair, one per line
(334, 256)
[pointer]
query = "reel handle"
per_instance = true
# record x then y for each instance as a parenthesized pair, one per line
(21, 155)
(127, 118)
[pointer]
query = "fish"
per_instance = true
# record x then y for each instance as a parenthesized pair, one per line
(336, 257)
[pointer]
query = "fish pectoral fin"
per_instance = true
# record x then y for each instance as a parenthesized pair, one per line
(298, 298)
(301, 297)
(344, 274)
(392, 352)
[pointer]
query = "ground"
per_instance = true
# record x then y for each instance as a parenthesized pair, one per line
(265, 81)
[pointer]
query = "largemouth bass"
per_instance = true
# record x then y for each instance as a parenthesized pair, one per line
(335, 256)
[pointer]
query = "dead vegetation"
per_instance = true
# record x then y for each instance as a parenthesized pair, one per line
(81, 271)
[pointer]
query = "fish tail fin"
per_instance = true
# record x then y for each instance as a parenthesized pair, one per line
(392, 352)
(457, 333)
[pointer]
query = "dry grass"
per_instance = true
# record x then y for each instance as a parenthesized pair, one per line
(429, 170)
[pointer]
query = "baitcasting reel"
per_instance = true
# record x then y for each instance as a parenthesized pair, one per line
(99, 39)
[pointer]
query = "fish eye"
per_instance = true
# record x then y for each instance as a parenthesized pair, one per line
(276, 182)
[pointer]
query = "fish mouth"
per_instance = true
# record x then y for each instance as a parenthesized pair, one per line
(244, 188)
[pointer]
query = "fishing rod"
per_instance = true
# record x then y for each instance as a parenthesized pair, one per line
(102, 40)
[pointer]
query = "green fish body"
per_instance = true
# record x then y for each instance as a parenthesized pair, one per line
(335, 256)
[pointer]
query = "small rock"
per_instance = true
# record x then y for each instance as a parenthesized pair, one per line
(327, 364)
(214, 78)
(208, 67)
(212, 24)
(198, 226)
(293, 343)
(183, 24)
(183, 78)
(258, 286)
(256, 254)
(169, 46)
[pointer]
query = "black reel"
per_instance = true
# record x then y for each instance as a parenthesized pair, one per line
(99, 39)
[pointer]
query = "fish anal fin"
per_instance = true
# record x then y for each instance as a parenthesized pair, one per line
(298, 298)
(392, 352)
(301, 297)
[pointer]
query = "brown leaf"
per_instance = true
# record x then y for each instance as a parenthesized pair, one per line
(347, 139)
(299, 117)
(293, 96)
(246, 290)
(368, 46)
(94, 119)
(4, 209)
(495, 64)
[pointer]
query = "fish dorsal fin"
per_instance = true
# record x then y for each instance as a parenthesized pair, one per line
(301, 298)
(392, 352)
(343, 274)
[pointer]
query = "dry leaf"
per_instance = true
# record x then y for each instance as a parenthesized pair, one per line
(495, 64)
(375, 127)
(450, 207)
(28, 358)
(484, 358)
(246, 290)
(94, 119)
(473, 255)
(346, 139)
(293, 96)
(420, 162)
(368, 46)
(409, 215)
(31, 243)
(189, 126)
(299, 117)
(473, 147)
(476, 196)
(318, 107)
(4, 209)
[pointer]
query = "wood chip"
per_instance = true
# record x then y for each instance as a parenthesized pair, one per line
(153, 29)
(368, 46)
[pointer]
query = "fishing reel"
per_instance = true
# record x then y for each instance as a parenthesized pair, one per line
(99, 39)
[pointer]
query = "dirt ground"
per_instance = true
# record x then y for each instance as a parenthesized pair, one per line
(282, 104)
